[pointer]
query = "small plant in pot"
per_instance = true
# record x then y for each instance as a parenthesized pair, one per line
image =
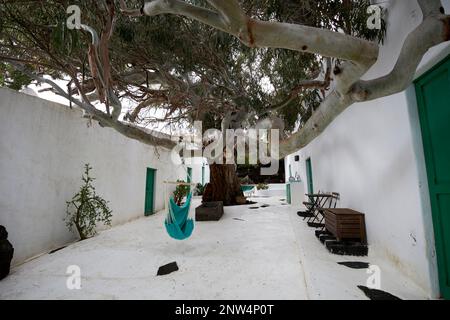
(180, 192)
(262, 186)
(199, 189)
(87, 209)
(6, 253)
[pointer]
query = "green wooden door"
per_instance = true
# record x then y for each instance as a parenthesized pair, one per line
(433, 95)
(150, 192)
(309, 176)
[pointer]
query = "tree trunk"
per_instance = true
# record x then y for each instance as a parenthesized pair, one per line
(224, 185)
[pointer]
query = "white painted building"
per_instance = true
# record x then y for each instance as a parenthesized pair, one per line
(43, 149)
(198, 170)
(373, 155)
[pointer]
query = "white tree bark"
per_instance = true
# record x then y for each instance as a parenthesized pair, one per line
(359, 54)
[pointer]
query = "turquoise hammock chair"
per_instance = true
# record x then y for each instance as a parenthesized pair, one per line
(178, 224)
(247, 188)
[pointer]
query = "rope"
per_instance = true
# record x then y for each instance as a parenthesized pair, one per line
(166, 196)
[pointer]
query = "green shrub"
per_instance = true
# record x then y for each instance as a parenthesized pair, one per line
(262, 186)
(86, 209)
(180, 192)
(200, 189)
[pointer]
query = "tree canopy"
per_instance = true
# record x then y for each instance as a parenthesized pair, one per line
(183, 68)
(294, 65)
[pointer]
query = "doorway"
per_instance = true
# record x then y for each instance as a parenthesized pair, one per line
(433, 98)
(309, 176)
(150, 192)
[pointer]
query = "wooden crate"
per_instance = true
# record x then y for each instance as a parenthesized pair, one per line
(346, 224)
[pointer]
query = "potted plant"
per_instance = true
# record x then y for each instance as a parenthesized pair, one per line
(180, 192)
(86, 208)
(6, 253)
(199, 189)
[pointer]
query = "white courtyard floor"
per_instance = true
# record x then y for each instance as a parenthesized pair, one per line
(268, 253)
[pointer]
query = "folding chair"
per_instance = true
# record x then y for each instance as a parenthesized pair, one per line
(310, 207)
(320, 217)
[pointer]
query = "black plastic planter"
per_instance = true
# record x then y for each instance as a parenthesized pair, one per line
(6, 253)
(347, 248)
(209, 211)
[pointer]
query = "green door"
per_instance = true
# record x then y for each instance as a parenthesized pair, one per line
(150, 192)
(433, 95)
(309, 176)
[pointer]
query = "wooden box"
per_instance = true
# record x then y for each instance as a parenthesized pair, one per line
(346, 224)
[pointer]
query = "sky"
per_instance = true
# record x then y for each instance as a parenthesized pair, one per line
(34, 89)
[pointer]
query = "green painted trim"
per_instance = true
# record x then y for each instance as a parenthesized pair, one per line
(189, 175)
(435, 190)
(288, 193)
(434, 68)
(309, 176)
(203, 175)
(149, 206)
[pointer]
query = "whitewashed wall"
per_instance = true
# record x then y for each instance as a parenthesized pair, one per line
(197, 164)
(43, 148)
(372, 154)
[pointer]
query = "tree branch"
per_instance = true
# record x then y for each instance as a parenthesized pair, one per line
(430, 7)
(257, 33)
(303, 85)
(358, 55)
(434, 29)
(130, 12)
(231, 12)
(127, 130)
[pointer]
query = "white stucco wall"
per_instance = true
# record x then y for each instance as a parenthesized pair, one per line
(43, 148)
(372, 155)
(274, 190)
(197, 164)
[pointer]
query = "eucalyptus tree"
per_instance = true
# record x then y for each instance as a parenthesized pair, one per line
(294, 65)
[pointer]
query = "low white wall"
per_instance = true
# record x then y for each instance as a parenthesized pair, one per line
(43, 148)
(275, 190)
(372, 155)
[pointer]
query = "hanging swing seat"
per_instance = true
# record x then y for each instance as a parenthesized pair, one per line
(247, 188)
(177, 223)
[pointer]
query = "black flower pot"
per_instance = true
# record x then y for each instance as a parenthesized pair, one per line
(6, 253)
